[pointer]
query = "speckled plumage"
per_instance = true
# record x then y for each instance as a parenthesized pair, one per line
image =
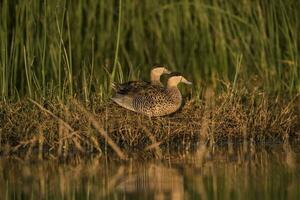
(152, 101)
(157, 101)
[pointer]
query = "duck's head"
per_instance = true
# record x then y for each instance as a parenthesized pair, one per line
(158, 70)
(156, 73)
(177, 78)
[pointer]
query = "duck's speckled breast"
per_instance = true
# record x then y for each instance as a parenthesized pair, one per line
(163, 103)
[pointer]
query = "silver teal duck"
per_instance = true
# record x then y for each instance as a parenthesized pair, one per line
(134, 86)
(153, 100)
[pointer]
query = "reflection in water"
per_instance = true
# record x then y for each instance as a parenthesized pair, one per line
(265, 174)
(154, 179)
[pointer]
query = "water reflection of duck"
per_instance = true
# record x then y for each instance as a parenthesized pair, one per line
(154, 179)
(153, 100)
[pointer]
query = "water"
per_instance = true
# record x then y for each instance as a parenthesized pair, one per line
(265, 173)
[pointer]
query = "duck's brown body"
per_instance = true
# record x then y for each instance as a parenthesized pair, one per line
(152, 101)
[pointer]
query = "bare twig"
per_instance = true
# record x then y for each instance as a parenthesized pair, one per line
(100, 129)
(52, 114)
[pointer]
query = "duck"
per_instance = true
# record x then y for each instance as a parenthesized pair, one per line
(154, 100)
(134, 86)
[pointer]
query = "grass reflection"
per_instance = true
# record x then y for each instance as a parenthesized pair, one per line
(265, 173)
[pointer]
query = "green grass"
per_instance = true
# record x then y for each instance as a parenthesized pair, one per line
(60, 48)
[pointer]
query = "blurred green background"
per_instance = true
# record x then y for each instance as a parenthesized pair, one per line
(63, 47)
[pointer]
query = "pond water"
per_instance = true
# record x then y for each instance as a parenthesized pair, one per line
(216, 173)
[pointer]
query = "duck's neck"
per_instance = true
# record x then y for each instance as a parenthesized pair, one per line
(155, 79)
(174, 93)
(172, 87)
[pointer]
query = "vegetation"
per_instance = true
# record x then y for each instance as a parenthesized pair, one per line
(245, 53)
(59, 130)
(61, 48)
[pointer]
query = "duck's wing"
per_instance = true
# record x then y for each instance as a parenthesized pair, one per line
(131, 87)
(128, 93)
(150, 90)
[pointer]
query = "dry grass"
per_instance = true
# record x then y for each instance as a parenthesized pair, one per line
(56, 129)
